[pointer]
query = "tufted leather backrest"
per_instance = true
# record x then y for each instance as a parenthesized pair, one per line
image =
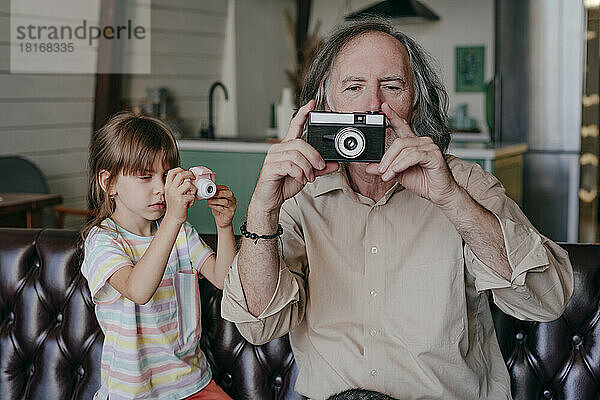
(243, 370)
(559, 359)
(50, 341)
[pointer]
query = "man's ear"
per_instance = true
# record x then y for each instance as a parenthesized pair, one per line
(103, 178)
(413, 113)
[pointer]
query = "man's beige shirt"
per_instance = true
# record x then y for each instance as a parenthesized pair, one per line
(387, 296)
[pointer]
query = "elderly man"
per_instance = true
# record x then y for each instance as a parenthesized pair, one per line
(384, 268)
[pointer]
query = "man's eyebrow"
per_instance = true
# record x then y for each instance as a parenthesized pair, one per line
(393, 78)
(353, 79)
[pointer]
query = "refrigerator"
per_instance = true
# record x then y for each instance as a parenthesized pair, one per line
(539, 62)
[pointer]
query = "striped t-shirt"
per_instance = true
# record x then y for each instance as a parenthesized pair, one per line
(150, 351)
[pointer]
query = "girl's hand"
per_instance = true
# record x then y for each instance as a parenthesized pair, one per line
(179, 194)
(222, 205)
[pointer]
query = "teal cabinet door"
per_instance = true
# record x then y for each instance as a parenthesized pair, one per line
(239, 171)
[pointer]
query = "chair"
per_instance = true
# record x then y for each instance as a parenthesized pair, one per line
(19, 175)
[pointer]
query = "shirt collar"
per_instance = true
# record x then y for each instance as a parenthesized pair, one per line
(334, 181)
(339, 181)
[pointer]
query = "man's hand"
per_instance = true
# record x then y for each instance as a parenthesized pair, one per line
(180, 193)
(222, 205)
(288, 166)
(416, 162)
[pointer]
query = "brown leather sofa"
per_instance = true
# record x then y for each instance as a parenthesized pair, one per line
(50, 342)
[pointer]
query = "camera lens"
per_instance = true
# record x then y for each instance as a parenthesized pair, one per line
(350, 142)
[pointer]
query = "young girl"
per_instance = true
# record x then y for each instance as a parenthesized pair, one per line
(143, 260)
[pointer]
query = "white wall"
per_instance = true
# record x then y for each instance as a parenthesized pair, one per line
(47, 119)
(188, 41)
(462, 23)
(226, 114)
(264, 50)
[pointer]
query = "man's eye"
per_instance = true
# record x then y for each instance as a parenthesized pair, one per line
(392, 87)
(353, 88)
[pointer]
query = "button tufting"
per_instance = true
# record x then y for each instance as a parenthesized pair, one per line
(59, 317)
(576, 340)
(36, 264)
(32, 370)
(278, 381)
(11, 316)
(520, 336)
(547, 394)
(80, 371)
(227, 379)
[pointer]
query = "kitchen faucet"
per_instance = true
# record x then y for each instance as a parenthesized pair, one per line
(210, 133)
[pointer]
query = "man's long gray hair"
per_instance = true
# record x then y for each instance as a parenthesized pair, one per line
(431, 99)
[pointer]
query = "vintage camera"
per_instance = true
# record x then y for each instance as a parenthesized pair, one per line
(358, 137)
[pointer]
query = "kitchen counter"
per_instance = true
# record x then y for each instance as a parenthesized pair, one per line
(486, 152)
(237, 163)
(230, 145)
(466, 150)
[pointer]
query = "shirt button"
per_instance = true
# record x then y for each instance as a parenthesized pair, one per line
(374, 250)
(374, 372)
(373, 292)
(373, 332)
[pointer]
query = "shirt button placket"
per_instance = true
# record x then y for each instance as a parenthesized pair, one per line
(373, 290)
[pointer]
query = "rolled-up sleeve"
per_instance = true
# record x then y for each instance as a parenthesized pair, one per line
(541, 283)
(286, 308)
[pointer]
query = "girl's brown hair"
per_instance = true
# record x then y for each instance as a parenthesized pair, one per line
(130, 144)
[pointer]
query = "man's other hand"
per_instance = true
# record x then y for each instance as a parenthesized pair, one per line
(416, 162)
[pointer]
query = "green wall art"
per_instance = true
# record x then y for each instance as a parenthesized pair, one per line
(470, 69)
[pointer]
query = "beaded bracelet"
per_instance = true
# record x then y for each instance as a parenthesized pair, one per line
(256, 236)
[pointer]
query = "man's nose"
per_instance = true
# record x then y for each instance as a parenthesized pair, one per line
(374, 100)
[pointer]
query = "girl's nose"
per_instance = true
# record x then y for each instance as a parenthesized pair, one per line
(159, 186)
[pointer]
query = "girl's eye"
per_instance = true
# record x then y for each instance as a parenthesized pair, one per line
(144, 177)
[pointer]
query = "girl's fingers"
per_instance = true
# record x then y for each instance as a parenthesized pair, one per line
(223, 202)
(187, 188)
(188, 198)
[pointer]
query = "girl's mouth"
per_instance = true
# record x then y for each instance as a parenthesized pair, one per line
(158, 206)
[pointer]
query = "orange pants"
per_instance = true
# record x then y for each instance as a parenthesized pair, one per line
(210, 392)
